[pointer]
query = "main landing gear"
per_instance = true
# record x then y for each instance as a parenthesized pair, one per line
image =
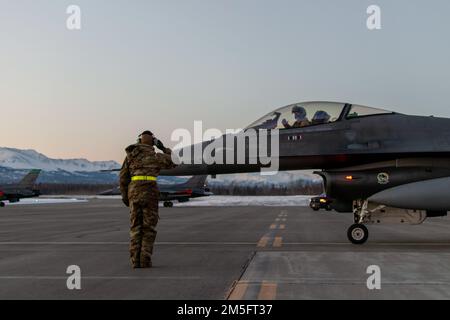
(168, 204)
(358, 233)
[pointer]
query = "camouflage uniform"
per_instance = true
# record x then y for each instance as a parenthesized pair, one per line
(142, 196)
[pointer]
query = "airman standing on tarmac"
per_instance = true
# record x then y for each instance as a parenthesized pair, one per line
(140, 192)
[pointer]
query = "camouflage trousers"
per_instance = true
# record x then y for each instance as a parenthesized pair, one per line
(143, 221)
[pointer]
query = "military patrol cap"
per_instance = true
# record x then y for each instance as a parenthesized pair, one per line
(146, 132)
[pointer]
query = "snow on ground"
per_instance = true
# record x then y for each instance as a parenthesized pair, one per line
(43, 201)
(233, 201)
(211, 201)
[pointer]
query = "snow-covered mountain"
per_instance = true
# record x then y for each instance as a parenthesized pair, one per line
(15, 163)
(30, 159)
(8, 175)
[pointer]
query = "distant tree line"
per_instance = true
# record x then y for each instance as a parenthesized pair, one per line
(255, 190)
(72, 189)
(218, 189)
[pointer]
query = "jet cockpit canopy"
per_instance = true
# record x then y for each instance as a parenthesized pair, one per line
(306, 114)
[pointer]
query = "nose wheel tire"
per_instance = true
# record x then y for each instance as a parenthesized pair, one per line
(357, 233)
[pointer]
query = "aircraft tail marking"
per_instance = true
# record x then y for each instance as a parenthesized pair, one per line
(30, 179)
(195, 182)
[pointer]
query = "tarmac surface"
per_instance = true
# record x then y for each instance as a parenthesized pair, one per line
(217, 253)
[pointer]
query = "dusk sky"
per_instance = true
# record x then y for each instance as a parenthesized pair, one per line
(160, 65)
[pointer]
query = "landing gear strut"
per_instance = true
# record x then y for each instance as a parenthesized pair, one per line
(358, 232)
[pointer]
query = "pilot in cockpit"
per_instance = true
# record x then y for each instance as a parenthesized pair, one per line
(321, 117)
(300, 118)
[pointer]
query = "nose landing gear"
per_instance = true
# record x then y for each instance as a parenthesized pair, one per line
(365, 212)
(358, 233)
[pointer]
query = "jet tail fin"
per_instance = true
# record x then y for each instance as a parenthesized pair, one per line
(196, 182)
(30, 179)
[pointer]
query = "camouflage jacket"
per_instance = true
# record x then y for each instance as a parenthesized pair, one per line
(142, 160)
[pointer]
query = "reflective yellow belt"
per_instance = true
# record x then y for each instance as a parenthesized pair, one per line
(143, 178)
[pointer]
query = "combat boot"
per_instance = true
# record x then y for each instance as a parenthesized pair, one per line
(135, 263)
(146, 263)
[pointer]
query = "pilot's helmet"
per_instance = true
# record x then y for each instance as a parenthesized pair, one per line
(321, 117)
(299, 111)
